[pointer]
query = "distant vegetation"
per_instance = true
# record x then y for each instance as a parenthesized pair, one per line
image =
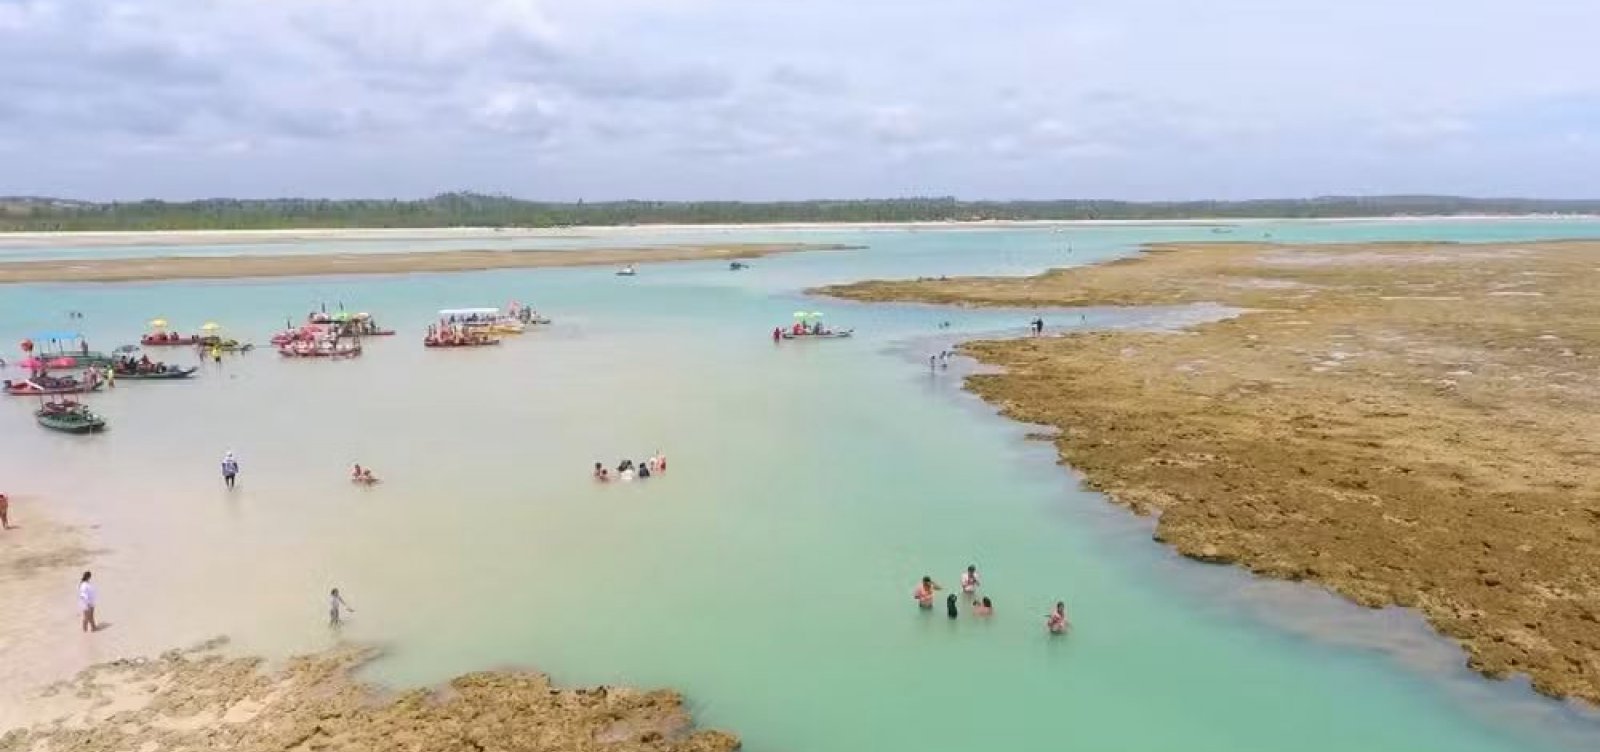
(474, 210)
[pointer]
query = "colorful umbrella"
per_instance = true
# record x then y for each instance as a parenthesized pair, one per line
(210, 326)
(158, 323)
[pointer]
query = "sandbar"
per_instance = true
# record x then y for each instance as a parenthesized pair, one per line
(398, 262)
(1415, 424)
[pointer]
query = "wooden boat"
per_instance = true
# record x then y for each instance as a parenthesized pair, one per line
(320, 349)
(460, 341)
(46, 385)
(69, 416)
(835, 334)
(626, 271)
(168, 339)
(170, 372)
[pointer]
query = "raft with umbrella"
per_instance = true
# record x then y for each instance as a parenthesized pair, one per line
(160, 336)
(212, 338)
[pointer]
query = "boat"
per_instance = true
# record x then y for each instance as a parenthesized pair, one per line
(626, 271)
(65, 350)
(808, 325)
(525, 314)
(42, 385)
(69, 416)
(489, 320)
(225, 345)
(347, 324)
(734, 266)
(321, 348)
(469, 340)
(831, 334)
(170, 373)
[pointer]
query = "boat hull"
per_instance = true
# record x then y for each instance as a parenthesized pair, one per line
(167, 375)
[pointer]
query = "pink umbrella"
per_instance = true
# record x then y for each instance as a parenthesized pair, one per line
(30, 363)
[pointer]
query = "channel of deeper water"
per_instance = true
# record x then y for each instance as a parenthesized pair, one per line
(768, 573)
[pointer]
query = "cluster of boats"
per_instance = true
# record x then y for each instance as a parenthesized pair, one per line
(479, 327)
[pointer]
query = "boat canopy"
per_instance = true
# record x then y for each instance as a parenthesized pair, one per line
(60, 336)
(470, 312)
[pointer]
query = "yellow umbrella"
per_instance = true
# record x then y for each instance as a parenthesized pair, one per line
(158, 323)
(210, 326)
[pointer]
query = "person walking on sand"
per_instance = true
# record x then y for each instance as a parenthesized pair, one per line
(230, 469)
(336, 605)
(5, 512)
(86, 603)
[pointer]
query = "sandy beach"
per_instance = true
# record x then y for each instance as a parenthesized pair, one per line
(105, 239)
(203, 697)
(399, 262)
(1405, 423)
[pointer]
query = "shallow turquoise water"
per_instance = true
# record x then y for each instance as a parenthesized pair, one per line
(768, 574)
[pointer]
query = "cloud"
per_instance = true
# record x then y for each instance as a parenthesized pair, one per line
(774, 99)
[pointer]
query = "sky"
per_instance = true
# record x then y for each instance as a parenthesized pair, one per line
(795, 99)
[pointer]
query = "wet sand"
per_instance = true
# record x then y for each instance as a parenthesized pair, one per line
(400, 262)
(1409, 424)
(204, 698)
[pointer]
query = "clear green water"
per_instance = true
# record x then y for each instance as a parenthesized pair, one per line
(768, 573)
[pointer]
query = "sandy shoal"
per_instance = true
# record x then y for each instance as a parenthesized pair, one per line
(1413, 424)
(300, 265)
(205, 697)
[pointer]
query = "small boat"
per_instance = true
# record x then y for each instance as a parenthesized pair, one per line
(734, 266)
(47, 385)
(459, 342)
(165, 373)
(69, 416)
(833, 334)
(489, 320)
(323, 348)
(626, 271)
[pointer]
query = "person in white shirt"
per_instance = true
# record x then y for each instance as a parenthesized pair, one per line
(86, 603)
(336, 604)
(969, 580)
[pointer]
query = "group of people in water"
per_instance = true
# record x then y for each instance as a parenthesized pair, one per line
(982, 607)
(362, 475)
(627, 470)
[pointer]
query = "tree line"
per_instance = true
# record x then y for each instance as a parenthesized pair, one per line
(477, 210)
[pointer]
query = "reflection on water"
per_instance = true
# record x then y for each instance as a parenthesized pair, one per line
(767, 574)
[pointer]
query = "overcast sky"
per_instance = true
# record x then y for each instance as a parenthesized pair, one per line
(764, 99)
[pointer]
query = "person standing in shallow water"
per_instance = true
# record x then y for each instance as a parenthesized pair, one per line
(924, 592)
(1056, 622)
(5, 513)
(230, 469)
(336, 605)
(86, 603)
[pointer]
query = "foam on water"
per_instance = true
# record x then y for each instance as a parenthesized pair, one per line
(768, 573)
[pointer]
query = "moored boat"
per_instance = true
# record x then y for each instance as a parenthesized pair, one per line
(41, 386)
(169, 373)
(830, 334)
(69, 416)
(168, 339)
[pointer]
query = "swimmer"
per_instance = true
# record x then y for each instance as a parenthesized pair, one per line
(644, 470)
(982, 607)
(969, 580)
(924, 592)
(599, 471)
(604, 476)
(1056, 622)
(950, 606)
(355, 472)
(367, 477)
